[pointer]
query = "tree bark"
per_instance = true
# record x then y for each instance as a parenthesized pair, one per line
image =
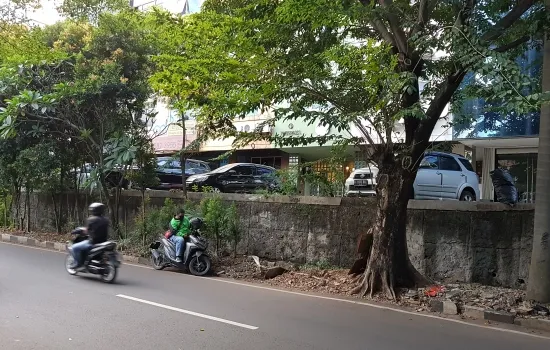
(538, 287)
(388, 266)
(56, 211)
(183, 158)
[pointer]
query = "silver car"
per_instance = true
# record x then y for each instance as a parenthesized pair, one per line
(440, 176)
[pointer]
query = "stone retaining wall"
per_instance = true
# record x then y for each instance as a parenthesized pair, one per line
(488, 243)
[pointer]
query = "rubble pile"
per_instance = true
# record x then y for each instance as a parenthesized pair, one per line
(512, 301)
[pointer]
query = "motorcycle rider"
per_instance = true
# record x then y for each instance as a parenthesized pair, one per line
(180, 229)
(97, 228)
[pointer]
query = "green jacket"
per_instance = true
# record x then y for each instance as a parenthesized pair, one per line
(181, 226)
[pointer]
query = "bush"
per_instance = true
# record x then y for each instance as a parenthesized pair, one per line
(222, 222)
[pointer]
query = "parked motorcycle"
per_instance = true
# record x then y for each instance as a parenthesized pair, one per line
(195, 260)
(102, 259)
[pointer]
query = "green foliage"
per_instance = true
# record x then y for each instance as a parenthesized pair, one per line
(90, 10)
(84, 101)
(149, 227)
(289, 178)
(341, 64)
(232, 226)
(222, 222)
(213, 212)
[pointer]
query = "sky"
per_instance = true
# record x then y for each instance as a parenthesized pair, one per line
(48, 14)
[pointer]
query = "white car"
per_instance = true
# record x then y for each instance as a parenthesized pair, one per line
(440, 176)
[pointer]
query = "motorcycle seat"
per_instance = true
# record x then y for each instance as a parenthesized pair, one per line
(102, 246)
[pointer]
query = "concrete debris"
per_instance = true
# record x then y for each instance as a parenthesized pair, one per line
(273, 272)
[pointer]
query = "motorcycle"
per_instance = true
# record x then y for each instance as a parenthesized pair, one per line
(102, 259)
(195, 259)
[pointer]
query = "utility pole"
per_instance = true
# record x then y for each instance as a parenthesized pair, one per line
(538, 287)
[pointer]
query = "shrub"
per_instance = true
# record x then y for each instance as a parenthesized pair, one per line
(222, 222)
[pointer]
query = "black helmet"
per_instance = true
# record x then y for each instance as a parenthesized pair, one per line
(97, 209)
(195, 223)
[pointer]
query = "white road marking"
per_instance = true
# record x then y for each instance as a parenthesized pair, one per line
(242, 325)
(361, 303)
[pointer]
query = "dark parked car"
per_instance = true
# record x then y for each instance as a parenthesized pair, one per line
(236, 177)
(169, 171)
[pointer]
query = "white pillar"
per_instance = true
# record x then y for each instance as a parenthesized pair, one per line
(487, 192)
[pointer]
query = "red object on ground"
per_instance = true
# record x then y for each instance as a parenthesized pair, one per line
(433, 291)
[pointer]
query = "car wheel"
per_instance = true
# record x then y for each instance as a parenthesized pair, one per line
(467, 196)
(216, 190)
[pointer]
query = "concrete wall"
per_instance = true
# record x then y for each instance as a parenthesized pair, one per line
(488, 243)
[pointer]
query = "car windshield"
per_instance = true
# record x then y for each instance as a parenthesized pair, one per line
(223, 168)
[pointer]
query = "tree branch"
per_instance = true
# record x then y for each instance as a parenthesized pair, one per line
(383, 32)
(396, 27)
(507, 21)
(424, 14)
(513, 44)
(343, 109)
(465, 13)
(433, 113)
(365, 133)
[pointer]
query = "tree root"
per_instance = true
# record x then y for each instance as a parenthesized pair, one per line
(376, 281)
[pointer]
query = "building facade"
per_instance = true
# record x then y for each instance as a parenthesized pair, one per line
(503, 140)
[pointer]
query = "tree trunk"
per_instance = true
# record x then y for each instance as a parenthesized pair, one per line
(538, 287)
(388, 265)
(17, 202)
(28, 209)
(144, 227)
(183, 188)
(6, 211)
(56, 211)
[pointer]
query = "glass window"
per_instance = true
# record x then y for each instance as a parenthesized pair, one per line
(429, 162)
(162, 163)
(190, 164)
(243, 170)
(523, 168)
(466, 164)
(449, 163)
(223, 168)
(264, 172)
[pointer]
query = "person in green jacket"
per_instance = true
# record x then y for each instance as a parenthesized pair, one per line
(180, 229)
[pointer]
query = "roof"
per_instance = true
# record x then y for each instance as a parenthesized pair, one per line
(435, 153)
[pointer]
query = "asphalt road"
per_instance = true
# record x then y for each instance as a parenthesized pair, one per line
(42, 307)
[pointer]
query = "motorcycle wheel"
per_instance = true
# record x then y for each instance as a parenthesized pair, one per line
(110, 275)
(157, 263)
(200, 266)
(69, 261)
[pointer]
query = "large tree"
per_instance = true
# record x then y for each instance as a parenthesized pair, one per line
(93, 92)
(354, 65)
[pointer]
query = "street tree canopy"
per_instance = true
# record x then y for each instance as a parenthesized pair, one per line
(89, 95)
(353, 64)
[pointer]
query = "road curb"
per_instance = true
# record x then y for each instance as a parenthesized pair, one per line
(61, 247)
(535, 323)
(499, 316)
